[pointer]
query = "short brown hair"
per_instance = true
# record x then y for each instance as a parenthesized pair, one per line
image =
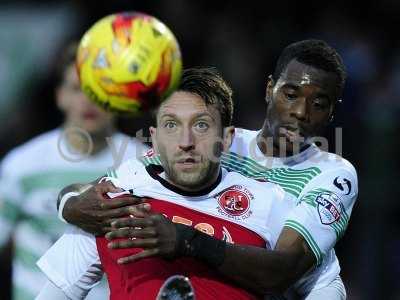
(67, 59)
(207, 83)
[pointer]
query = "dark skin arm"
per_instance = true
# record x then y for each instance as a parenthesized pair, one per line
(257, 269)
(93, 211)
(265, 271)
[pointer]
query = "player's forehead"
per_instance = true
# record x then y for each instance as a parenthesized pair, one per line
(298, 74)
(186, 106)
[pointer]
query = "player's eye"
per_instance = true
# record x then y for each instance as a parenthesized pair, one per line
(170, 125)
(201, 126)
(290, 96)
(320, 104)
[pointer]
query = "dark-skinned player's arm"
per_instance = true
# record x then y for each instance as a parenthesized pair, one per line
(257, 269)
(266, 271)
(310, 231)
(88, 207)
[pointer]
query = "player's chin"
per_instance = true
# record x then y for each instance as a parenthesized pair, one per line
(93, 126)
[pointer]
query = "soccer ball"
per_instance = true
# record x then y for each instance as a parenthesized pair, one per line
(128, 62)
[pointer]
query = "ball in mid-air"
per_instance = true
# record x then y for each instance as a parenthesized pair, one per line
(129, 62)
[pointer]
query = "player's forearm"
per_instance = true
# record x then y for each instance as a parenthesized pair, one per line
(257, 269)
(76, 187)
(260, 270)
(87, 206)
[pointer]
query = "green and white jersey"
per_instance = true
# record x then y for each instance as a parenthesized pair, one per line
(31, 177)
(325, 188)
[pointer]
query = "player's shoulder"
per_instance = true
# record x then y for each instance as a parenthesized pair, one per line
(235, 178)
(243, 141)
(245, 134)
(131, 171)
(332, 162)
(120, 137)
(126, 167)
(127, 146)
(31, 151)
(335, 173)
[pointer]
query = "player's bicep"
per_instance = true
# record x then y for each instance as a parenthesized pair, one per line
(292, 242)
(323, 212)
(73, 263)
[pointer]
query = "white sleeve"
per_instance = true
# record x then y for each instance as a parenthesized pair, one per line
(73, 263)
(50, 291)
(323, 212)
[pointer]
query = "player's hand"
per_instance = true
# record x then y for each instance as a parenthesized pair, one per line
(93, 211)
(155, 233)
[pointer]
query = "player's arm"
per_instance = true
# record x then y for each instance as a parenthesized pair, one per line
(257, 269)
(51, 291)
(91, 209)
(268, 271)
(75, 188)
(72, 266)
(88, 207)
(11, 202)
(311, 230)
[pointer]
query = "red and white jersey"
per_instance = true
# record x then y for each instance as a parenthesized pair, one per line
(237, 209)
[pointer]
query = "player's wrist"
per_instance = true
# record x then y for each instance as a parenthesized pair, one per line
(65, 202)
(201, 246)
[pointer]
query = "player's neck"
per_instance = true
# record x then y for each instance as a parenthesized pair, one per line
(205, 188)
(80, 141)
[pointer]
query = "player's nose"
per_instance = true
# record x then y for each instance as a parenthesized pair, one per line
(187, 140)
(299, 109)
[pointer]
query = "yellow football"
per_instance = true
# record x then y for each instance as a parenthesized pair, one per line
(129, 62)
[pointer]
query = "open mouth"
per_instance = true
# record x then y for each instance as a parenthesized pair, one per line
(89, 115)
(188, 160)
(187, 163)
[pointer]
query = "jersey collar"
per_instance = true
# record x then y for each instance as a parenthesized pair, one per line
(155, 171)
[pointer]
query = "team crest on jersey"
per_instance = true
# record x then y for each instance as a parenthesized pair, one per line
(234, 202)
(329, 207)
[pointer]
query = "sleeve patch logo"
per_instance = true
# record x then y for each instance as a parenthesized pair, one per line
(343, 184)
(329, 208)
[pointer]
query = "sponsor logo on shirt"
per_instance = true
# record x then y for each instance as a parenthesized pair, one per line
(329, 207)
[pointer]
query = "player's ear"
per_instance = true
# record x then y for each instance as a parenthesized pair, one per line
(60, 99)
(153, 132)
(229, 133)
(332, 110)
(269, 89)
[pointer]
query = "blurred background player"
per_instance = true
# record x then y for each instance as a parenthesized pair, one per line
(33, 173)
